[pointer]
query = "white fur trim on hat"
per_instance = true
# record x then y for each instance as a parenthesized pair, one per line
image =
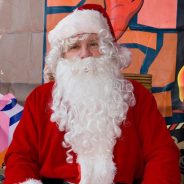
(78, 22)
(31, 181)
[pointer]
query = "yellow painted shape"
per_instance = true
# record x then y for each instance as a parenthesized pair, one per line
(181, 84)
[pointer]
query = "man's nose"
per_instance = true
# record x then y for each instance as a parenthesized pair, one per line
(85, 52)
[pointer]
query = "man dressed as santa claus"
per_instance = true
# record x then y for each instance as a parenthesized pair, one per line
(90, 126)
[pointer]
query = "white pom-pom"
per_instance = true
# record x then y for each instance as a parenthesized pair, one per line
(31, 181)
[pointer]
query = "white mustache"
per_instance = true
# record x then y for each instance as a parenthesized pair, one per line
(86, 65)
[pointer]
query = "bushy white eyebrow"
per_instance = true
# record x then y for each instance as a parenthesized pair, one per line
(68, 43)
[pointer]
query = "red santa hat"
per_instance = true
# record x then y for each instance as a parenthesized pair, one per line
(89, 18)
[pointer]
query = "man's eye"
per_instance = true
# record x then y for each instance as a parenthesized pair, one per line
(74, 47)
(94, 44)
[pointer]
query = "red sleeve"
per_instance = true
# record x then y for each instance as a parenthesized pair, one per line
(160, 152)
(22, 160)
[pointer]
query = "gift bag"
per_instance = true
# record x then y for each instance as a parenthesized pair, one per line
(10, 114)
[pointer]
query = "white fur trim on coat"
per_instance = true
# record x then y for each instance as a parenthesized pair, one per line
(78, 22)
(31, 181)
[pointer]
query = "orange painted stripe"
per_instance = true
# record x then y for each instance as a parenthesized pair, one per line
(101, 2)
(51, 3)
(139, 37)
(62, 3)
(53, 19)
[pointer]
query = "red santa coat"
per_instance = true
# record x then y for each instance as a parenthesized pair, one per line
(145, 152)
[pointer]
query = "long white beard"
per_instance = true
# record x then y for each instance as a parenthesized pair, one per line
(90, 102)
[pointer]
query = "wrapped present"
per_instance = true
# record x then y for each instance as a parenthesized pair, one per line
(10, 114)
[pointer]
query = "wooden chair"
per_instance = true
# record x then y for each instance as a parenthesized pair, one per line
(144, 79)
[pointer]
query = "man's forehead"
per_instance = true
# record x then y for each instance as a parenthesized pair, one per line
(90, 36)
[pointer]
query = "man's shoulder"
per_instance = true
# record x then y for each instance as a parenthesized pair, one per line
(45, 87)
(140, 92)
(42, 91)
(139, 88)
